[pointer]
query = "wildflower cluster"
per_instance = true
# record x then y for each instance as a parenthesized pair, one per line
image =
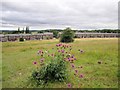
(53, 66)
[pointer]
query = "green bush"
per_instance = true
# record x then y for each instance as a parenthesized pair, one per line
(55, 34)
(21, 39)
(54, 66)
(67, 36)
(54, 71)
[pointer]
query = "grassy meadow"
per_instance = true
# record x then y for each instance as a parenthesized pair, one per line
(18, 57)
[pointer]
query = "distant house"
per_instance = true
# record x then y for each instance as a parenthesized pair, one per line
(96, 35)
(48, 35)
(15, 37)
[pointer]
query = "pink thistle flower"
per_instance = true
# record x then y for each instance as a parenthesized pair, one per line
(40, 51)
(69, 85)
(57, 45)
(72, 65)
(62, 51)
(42, 59)
(52, 55)
(81, 51)
(69, 59)
(74, 58)
(58, 50)
(60, 44)
(34, 62)
(81, 76)
(76, 71)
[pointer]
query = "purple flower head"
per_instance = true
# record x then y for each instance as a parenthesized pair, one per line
(57, 45)
(42, 59)
(34, 62)
(52, 54)
(74, 58)
(69, 85)
(72, 65)
(76, 71)
(58, 50)
(81, 51)
(40, 51)
(81, 76)
(62, 51)
(69, 59)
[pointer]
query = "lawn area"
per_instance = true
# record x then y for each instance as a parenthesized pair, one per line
(18, 57)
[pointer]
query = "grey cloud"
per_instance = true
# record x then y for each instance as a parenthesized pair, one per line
(82, 14)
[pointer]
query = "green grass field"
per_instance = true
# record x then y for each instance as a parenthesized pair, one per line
(18, 57)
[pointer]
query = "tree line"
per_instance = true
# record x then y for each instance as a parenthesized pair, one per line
(56, 31)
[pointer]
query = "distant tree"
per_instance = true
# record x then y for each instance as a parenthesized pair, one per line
(23, 30)
(13, 32)
(27, 30)
(18, 29)
(55, 34)
(41, 31)
(67, 36)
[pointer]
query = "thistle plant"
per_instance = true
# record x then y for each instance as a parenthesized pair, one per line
(53, 65)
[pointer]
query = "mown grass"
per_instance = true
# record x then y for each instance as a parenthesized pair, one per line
(18, 57)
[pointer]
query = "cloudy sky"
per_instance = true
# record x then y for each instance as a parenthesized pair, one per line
(59, 14)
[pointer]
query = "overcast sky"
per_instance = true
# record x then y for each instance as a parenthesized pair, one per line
(59, 14)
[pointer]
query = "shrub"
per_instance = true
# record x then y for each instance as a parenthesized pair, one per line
(67, 36)
(53, 67)
(54, 71)
(55, 34)
(21, 39)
